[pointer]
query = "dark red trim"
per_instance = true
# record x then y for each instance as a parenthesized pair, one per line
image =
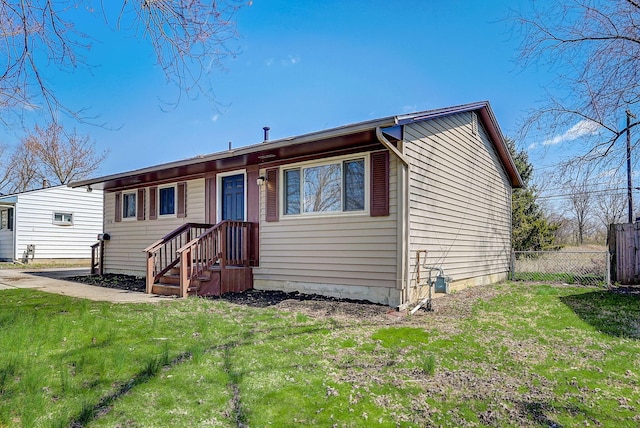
(379, 184)
(153, 209)
(271, 189)
(181, 211)
(140, 205)
(118, 213)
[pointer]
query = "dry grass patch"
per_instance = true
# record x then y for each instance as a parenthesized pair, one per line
(507, 355)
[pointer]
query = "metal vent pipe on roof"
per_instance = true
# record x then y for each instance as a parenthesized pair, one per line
(266, 133)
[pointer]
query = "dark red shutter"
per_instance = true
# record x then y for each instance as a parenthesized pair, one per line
(271, 195)
(153, 209)
(140, 202)
(379, 184)
(182, 200)
(118, 213)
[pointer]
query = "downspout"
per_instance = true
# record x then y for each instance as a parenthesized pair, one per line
(404, 214)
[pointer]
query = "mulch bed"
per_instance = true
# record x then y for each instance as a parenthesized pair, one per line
(255, 298)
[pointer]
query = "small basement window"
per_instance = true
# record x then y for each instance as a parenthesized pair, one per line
(63, 219)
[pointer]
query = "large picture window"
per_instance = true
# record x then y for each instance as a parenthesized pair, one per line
(129, 205)
(167, 201)
(325, 188)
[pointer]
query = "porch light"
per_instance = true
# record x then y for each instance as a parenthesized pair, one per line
(261, 180)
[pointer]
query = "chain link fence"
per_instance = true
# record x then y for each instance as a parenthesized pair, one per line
(567, 267)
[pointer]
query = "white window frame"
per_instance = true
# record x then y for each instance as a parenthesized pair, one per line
(219, 192)
(327, 161)
(175, 201)
(135, 206)
(62, 221)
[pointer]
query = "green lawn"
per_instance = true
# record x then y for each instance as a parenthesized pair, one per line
(509, 355)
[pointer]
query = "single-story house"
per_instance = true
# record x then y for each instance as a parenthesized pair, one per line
(351, 212)
(49, 223)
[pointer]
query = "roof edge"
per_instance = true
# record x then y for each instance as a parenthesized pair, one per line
(490, 123)
(282, 142)
(483, 107)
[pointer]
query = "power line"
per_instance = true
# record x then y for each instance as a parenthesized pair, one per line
(552, 189)
(586, 192)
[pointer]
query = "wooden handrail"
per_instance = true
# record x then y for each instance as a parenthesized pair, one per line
(227, 243)
(173, 234)
(162, 255)
(97, 258)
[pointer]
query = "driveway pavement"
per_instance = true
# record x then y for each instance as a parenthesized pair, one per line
(50, 281)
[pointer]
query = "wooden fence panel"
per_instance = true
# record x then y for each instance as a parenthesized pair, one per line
(623, 240)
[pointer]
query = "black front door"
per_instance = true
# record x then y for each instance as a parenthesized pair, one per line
(233, 197)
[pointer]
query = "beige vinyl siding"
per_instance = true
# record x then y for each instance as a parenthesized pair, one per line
(345, 250)
(34, 223)
(460, 199)
(124, 252)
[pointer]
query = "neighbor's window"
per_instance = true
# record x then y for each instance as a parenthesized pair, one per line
(325, 188)
(129, 205)
(63, 218)
(6, 219)
(167, 197)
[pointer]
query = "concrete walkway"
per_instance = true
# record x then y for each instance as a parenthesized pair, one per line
(50, 281)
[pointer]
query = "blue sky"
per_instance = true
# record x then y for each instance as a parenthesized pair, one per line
(303, 66)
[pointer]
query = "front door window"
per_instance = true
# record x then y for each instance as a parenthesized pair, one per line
(233, 197)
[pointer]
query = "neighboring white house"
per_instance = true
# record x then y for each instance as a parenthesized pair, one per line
(51, 223)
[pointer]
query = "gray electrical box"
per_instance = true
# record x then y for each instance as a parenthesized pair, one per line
(441, 284)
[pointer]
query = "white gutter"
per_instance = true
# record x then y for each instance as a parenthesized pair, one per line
(391, 147)
(404, 261)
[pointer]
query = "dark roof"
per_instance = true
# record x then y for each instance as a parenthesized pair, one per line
(357, 135)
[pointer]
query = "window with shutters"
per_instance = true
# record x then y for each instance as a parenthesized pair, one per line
(167, 201)
(333, 186)
(129, 205)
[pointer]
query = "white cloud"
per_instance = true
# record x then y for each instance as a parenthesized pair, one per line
(215, 118)
(290, 60)
(581, 129)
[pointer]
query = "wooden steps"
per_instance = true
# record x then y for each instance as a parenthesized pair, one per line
(214, 281)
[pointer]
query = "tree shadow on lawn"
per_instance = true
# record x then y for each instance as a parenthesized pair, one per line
(615, 312)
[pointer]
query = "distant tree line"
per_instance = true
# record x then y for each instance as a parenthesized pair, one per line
(47, 156)
(576, 213)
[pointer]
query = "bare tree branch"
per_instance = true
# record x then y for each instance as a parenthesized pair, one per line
(63, 157)
(594, 48)
(189, 38)
(51, 155)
